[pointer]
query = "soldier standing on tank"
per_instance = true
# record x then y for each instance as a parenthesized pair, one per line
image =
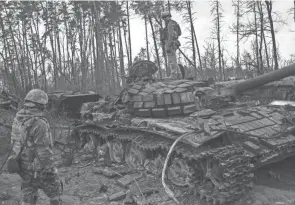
(31, 133)
(170, 39)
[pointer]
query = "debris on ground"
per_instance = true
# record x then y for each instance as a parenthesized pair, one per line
(126, 180)
(4, 196)
(117, 196)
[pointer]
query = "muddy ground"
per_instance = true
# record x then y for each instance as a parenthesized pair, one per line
(84, 183)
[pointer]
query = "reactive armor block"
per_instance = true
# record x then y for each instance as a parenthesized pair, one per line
(164, 98)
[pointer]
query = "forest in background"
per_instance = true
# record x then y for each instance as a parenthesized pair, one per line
(87, 45)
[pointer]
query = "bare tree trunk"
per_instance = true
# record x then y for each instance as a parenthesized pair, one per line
(192, 34)
(41, 46)
(129, 36)
(121, 55)
(73, 70)
(94, 53)
(5, 57)
(115, 59)
(238, 69)
(156, 47)
(110, 68)
(223, 63)
(275, 55)
(36, 84)
(266, 51)
(169, 7)
(58, 48)
(219, 42)
(99, 71)
(146, 38)
(256, 38)
(67, 42)
(90, 72)
(82, 52)
(127, 50)
(53, 62)
(107, 70)
(22, 53)
(64, 56)
(42, 55)
(17, 56)
(28, 57)
(260, 9)
(199, 54)
(94, 59)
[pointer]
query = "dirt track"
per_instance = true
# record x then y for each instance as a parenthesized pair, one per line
(274, 185)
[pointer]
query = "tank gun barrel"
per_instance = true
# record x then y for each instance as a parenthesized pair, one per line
(264, 79)
(257, 81)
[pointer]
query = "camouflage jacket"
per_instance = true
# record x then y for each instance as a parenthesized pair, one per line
(169, 33)
(37, 154)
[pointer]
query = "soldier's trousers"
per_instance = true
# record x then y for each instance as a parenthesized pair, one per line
(172, 62)
(49, 182)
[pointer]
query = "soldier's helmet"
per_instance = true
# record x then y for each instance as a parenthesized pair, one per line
(166, 14)
(36, 96)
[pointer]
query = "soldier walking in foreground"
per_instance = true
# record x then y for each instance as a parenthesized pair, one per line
(33, 157)
(170, 39)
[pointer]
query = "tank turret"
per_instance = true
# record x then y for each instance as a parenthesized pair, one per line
(148, 97)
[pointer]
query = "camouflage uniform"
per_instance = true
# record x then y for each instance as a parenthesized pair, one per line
(171, 45)
(37, 164)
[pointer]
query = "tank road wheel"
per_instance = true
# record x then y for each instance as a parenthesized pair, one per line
(135, 157)
(180, 173)
(155, 166)
(117, 151)
(91, 144)
(227, 175)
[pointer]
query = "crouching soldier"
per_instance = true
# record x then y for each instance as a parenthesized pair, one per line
(33, 156)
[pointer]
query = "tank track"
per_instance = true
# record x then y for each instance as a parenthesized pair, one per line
(234, 163)
(236, 179)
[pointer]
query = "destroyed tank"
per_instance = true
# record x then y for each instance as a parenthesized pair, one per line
(69, 103)
(213, 145)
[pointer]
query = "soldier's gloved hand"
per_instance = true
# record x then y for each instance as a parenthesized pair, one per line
(176, 44)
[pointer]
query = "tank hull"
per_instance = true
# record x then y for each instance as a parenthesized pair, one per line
(238, 140)
(215, 152)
